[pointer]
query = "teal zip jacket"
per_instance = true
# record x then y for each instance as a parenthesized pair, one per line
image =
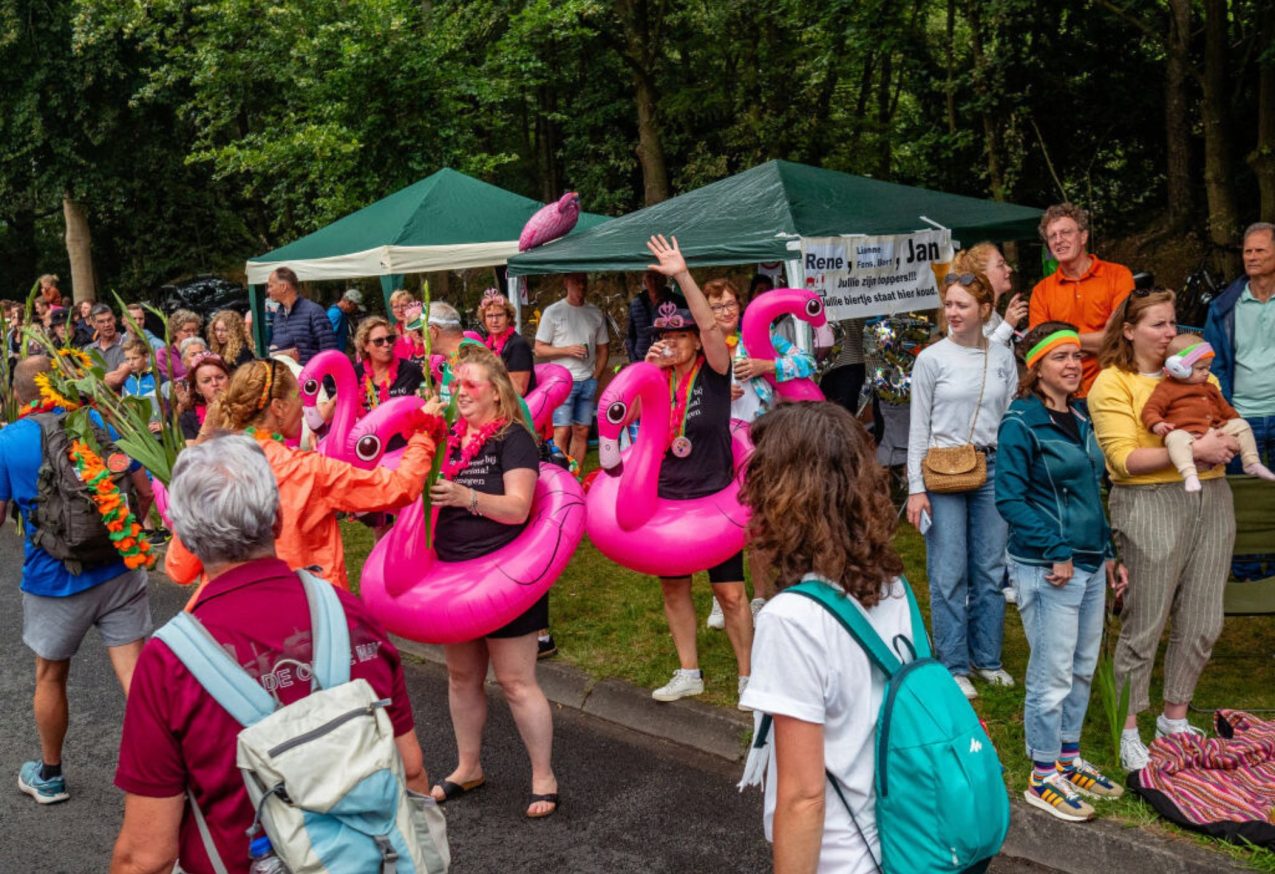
(1047, 489)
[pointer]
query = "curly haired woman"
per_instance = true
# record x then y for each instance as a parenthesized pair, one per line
(821, 509)
(228, 337)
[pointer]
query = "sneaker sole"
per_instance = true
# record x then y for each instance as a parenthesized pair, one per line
(1036, 801)
(1089, 793)
(716, 626)
(41, 799)
(666, 697)
(1131, 768)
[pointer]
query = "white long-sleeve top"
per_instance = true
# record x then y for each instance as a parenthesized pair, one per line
(945, 386)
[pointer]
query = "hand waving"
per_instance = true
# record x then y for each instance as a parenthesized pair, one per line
(671, 262)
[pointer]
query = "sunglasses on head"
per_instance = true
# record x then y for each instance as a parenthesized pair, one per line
(382, 341)
(959, 279)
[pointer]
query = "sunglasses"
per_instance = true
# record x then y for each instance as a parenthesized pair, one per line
(378, 342)
(959, 279)
(472, 385)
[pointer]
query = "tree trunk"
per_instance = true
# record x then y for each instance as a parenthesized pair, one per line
(1223, 213)
(949, 85)
(885, 153)
(1177, 121)
(642, 22)
(991, 124)
(1262, 158)
(79, 249)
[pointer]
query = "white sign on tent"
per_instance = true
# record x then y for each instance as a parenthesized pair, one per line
(862, 276)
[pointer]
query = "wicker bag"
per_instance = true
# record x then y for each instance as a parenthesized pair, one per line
(949, 469)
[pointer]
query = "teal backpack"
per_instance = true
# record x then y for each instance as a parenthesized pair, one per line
(941, 802)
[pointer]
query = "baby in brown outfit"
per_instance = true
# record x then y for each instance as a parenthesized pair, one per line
(1185, 405)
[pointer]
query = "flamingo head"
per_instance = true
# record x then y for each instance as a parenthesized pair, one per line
(371, 435)
(613, 416)
(569, 203)
(769, 306)
(639, 389)
(310, 383)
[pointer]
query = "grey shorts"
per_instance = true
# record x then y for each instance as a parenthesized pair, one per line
(120, 608)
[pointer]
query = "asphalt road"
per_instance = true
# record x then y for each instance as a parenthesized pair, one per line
(629, 803)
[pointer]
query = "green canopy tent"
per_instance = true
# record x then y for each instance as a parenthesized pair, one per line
(446, 221)
(761, 215)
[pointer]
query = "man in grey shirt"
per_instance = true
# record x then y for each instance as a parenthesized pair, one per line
(109, 344)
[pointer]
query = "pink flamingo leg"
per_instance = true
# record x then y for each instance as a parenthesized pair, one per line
(755, 331)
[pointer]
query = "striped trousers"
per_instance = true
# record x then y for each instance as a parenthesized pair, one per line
(1177, 547)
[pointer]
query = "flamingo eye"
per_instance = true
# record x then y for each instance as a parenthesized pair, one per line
(814, 307)
(310, 387)
(616, 412)
(368, 448)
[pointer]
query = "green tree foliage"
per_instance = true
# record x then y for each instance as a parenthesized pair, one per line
(200, 132)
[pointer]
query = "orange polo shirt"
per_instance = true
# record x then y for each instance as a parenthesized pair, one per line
(1086, 302)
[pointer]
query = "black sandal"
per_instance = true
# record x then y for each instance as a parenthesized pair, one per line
(550, 797)
(455, 790)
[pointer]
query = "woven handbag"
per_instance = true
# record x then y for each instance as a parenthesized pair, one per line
(949, 469)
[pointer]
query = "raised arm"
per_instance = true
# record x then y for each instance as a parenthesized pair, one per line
(671, 263)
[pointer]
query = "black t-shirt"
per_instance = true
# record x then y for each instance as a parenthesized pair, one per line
(463, 536)
(1066, 420)
(710, 465)
(190, 424)
(517, 356)
(406, 381)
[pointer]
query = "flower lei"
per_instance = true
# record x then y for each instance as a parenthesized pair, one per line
(251, 431)
(124, 530)
(496, 343)
(375, 395)
(79, 356)
(456, 442)
(50, 397)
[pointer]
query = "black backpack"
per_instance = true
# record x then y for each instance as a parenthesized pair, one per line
(66, 523)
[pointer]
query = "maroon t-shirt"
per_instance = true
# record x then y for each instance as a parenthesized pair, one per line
(177, 737)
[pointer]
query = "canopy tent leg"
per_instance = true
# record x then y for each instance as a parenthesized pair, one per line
(257, 306)
(511, 284)
(389, 283)
(795, 273)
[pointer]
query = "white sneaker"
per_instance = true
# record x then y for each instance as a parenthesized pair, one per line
(755, 606)
(683, 685)
(1133, 752)
(716, 619)
(966, 687)
(1011, 595)
(1164, 726)
(998, 677)
(743, 684)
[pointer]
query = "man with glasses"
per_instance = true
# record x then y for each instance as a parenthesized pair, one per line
(1083, 291)
(109, 344)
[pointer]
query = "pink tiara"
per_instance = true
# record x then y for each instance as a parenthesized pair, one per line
(669, 316)
(493, 295)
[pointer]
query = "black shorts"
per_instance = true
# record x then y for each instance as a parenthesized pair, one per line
(729, 571)
(535, 618)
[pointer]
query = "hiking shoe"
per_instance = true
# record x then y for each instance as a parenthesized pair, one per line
(998, 677)
(1088, 780)
(1165, 727)
(1133, 753)
(1053, 794)
(966, 687)
(49, 791)
(716, 619)
(756, 606)
(545, 647)
(683, 685)
(743, 684)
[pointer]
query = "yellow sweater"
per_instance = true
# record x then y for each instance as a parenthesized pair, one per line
(1115, 405)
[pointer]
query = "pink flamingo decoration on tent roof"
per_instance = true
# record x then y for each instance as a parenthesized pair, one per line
(550, 222)
(627, 520)
(762, 313)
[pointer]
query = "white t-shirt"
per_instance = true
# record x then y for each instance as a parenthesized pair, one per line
(562, 324)
(807, 666)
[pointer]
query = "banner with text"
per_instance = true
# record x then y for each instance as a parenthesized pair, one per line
(874, 276)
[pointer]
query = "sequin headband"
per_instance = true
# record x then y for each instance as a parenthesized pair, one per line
(1049, 344)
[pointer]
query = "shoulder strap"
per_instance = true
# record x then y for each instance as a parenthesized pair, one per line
(330, 632)
(920, 638)
(987, 353)
(851, 617)
(219, 674)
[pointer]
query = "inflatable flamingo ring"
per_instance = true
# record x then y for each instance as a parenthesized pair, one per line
(755, 332)
(627, 520)
(419, 597)
(346, 412)
(553, 384)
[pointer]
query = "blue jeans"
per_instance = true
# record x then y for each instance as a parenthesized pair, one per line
(965, 560)
(1250, 567)
(577, 409)
(1063, 625)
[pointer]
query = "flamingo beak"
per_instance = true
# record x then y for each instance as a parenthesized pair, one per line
(313, 418)
(609, 456)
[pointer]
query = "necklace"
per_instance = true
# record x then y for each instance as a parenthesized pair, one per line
(681, 396)
(375, 395)
(496, 342)
(251, 431)
(465, 451)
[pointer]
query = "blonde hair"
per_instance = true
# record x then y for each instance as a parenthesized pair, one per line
(976, 258)
(1116, 349)
(508, 402)
(366, 327)
(237, 330)
(247, 397)
(401, 295)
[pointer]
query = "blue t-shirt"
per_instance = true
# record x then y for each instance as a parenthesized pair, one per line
(340, 326)
(42, 574)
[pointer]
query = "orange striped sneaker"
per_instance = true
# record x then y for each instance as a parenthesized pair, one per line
(1053, 794)
(1088, 780)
